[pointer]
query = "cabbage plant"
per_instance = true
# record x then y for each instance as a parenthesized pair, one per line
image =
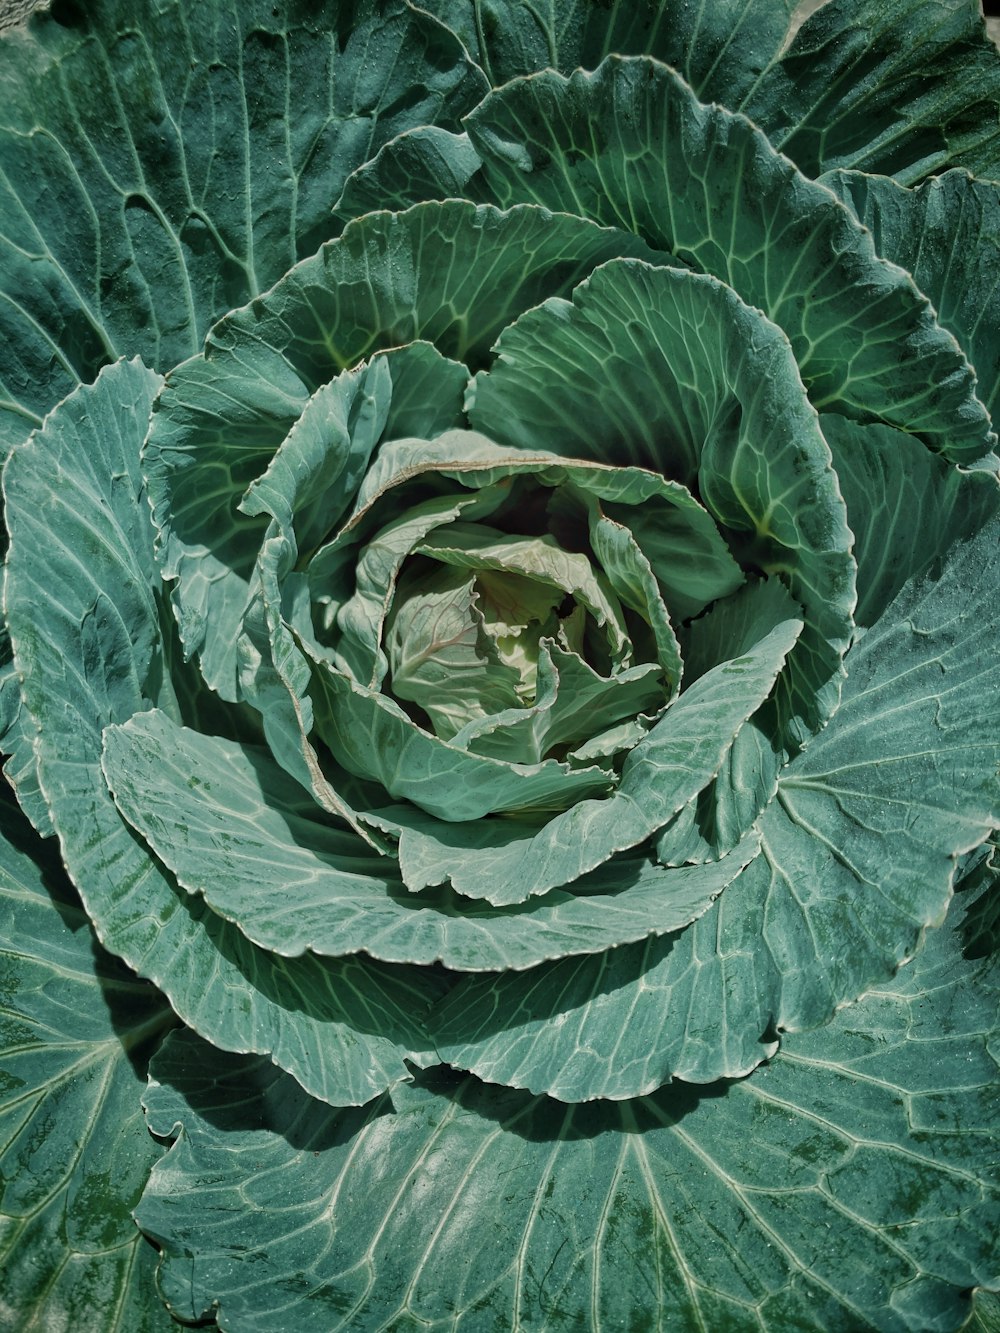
(500, 665)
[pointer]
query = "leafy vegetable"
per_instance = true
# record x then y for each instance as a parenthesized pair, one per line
(499, 655)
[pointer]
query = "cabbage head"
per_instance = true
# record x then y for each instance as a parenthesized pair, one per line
(500, 671)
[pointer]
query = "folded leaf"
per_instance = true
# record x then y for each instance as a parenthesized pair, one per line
(450, 273)
(847, 853)
(234, 828)
(507, 861)
(84, 625)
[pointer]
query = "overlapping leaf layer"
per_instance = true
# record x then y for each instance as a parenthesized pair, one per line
(499, 631)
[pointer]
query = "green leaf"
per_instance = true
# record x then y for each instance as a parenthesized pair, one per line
(905, 506)
(448, 273)
(371, 737)
(979, 878)
(719, 48)
(850, 1184)
(507, 861)
(274, 670)
(152, 176)
(85, 631)
(425, 163)
(442, 656)
(946, 234)
(985, 1312)
(690, 558)
(537, 562)
(17, 739)
(76, 1030)
(670, 370)
(319, 465)
(234, 828)
(631, 575)
(574, 706)
(685, 550)
(356, 624)
(721, 813)
(428, 391)
(630, 146)
(906, 89)
(860, 845)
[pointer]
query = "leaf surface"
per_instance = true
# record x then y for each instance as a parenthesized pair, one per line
(630, 146)
(84, 624)
(905, 507)
(946, 234)
(233, 827)
(849, 1184)
(448, 273)
(666, 369)
(906, 89)
(509, 861)
(848, 853)
(158, 169)
(76, 1030)
(719, 48)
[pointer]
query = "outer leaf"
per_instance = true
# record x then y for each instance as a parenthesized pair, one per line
(85, 630)
(163, 167)
(848, 853)
(719, 48)
(17, 739)
(244, 836)
(905, 506)
(75, 1030)
(849, 1185)
(985, 1312)
(946, 234)
(449, 273)
(630, 146)
(980, 876)
(429, 163)
(905, 89)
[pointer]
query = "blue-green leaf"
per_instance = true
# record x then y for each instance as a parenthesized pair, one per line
(507, 861)
(907, 89)
(449, 273)
(159, 167)
(946, 234)
(630, 146)
(76, 1029)
(84, 624)
(850, 1184)
(234, 828)
(860, 844)
(669, 370)
(719, 48)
